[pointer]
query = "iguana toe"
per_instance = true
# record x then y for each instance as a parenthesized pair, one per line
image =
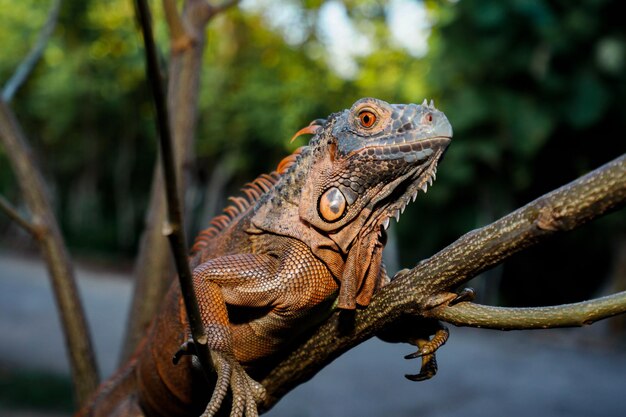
(246, 392)
(187, 348)
(426, 350)
(466, 294)
(427, 371)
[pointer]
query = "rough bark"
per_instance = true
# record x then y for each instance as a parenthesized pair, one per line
(504, 318)
(429, 283)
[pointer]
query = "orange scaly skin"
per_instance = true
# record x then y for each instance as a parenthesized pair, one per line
(270, 268)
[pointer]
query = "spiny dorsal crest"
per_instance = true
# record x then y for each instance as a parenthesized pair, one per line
(252, 193)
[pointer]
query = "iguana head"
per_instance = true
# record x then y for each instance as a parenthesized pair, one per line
(362, 167)
(376, 157)
(371, 161)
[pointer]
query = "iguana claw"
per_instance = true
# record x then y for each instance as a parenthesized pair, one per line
(187, 348)
(466, 294)
(400, 273)
(426, 350)
(246, 392)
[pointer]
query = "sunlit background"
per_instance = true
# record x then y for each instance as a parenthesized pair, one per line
(534, 89)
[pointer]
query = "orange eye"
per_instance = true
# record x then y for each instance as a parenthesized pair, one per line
(367, 118)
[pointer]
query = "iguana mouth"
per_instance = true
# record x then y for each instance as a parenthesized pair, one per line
(410, 151)
(418, 179)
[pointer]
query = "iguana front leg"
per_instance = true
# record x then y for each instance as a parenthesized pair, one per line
(247, 280)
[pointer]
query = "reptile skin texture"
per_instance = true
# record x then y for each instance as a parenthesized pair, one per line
(297, 243)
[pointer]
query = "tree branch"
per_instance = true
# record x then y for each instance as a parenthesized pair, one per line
(77, 337)
(28, 64)
(174, 228)
(570, 206)
(506, 318)
(153, 274)
(211, 10)
(179, 38)
(13, 214)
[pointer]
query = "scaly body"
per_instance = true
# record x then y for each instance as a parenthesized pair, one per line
(300, 239)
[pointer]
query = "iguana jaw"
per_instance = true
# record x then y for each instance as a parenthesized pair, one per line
(404, 191)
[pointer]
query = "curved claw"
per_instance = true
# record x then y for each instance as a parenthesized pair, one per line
(187, 348)
(400, 273)
(466, 294)
(426, 350)
(246, 392)
(427, 371)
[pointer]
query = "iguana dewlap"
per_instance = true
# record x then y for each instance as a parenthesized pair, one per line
(298, 240)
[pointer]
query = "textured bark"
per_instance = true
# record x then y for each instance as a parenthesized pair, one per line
(428, 284)
(504, 318)
(77, 337)
(618, 281)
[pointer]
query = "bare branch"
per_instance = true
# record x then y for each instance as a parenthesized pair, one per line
(77, 337)
(28, 64)
(153, 266)
(566, 208)
(213, 10)
(174, 228)
(506, 318)
(180, 39)
(13, 214)
(205, 11)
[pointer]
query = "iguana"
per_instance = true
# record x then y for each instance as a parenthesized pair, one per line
(299, 242)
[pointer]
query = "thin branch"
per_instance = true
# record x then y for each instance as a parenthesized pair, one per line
(179, 38)
(13, 214)
(506, 318)
(174, 228)
(205, 11)
(213, 10)
(570, 206)
(77, 337)
(28, 64)
(153, 267)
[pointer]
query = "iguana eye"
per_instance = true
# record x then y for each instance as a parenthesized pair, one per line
(332, 205)
(367, 118)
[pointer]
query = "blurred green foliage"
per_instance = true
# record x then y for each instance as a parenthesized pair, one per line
(534, 90)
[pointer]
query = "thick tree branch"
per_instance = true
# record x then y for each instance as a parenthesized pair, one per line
(13, 214)
(506, 318)
(77, 337)
(174, 228)
(568, 207)
(28, 64)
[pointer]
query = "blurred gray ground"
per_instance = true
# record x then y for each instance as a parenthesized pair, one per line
(482, 373)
